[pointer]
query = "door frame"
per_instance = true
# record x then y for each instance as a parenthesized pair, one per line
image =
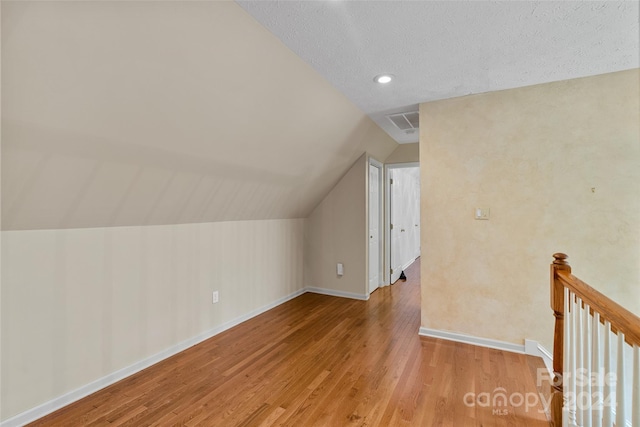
(387, 214)
(381, 235)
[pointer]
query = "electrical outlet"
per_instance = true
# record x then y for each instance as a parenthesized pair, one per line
(215, 297)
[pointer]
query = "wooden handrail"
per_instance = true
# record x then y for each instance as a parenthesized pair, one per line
(621, 320)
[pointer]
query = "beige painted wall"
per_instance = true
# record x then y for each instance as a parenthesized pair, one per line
(336, 232)
(121, 120)
(405, 153)
(79, 304)
(533, 156)
(147, 113)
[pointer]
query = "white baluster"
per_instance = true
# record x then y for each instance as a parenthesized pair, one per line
(566, 346)
(585, 399)
(620, 414)
(596, 368)
(570, 372)
(635, 403)
(607, 415)
(579, 360)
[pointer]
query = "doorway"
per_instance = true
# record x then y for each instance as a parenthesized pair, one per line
(376, 277)
(402, 218)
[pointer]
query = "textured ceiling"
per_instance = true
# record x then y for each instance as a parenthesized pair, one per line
(445, 49)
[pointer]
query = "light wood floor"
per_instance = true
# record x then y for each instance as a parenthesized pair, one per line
(322, 361)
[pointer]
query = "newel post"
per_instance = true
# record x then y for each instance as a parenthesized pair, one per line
(557, 305)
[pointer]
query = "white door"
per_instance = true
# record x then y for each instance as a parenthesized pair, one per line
(395, 233)
(375, 173)
(404, 199)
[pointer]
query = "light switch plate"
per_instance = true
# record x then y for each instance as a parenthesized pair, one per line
(482, 213)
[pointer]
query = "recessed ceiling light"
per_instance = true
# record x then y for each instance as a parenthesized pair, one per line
(383, 78)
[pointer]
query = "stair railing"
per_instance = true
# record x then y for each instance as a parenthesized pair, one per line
(596, 355)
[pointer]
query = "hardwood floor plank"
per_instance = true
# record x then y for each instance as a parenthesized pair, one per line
(320, 361)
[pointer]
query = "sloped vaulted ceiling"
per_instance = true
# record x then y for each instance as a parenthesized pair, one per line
(136, 113)
(439, 49)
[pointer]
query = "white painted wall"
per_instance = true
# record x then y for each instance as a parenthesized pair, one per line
(79, 304)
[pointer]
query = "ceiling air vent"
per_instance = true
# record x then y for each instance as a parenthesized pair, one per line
(407, 122)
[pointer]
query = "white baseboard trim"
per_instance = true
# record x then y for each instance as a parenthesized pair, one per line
(534, 348)
(408, 264)
(530, 347)
(334, 293)
(470, 339)
(94, 386)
